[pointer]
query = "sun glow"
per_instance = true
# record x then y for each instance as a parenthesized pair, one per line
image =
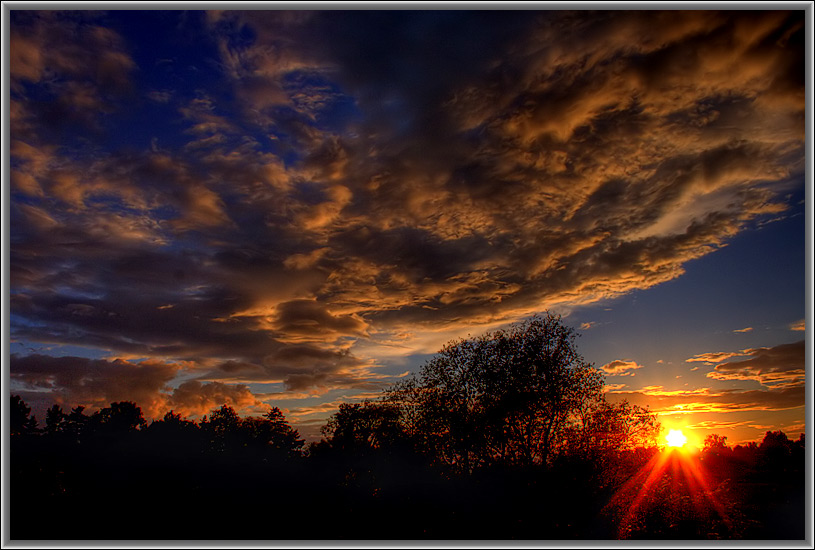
(676, 438)
(684, 473)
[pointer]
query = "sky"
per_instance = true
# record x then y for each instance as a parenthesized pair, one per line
(299, 208)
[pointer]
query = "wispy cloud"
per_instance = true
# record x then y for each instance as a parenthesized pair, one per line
(714, 357)
(779, 366)
(704, 400)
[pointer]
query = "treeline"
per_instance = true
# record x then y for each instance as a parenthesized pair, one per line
(503, 436)
(223, 430)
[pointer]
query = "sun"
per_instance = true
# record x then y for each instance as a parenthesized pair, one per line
(676, 438)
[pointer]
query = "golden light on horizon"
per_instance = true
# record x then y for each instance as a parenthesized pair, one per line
(676, 438)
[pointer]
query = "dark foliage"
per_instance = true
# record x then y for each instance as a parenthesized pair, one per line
(505, 436)
(20, 420)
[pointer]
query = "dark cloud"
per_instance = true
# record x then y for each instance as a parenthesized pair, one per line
(302, 367)
(81, 69)
(94, 383)
(310, 319)
(779, 366)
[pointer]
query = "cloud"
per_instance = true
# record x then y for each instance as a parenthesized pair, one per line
(322, 408)
(719, 425)
(705, 400)
(94, 383)
(798, 325)
(748, 329)
(160, 96)
(400, 180)
(193, 398)
(620, 367)
(82, 68)
(304, 369)
(309, 319)
(714, 357)
(661, 392)
(791, 428)
(779, 366)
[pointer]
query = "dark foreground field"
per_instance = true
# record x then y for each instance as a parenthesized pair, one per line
(151, 485)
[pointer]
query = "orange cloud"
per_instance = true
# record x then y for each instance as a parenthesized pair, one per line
(798, 325)
(618, 367)
(714, 357)
(95, 383)
(193, 398)
(683, 402)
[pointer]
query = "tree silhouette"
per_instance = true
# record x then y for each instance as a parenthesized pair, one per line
(366, 425)
(174, 422)
(714, 443)
(513, 397)
(601, 428)
(775, 440)
(221, 428)
(269, 434)
(279, 435)
(20, 420)
(227, 431)
(122, 416)
(175, 434)
(371, 465)
(55, 420)
(77, 422)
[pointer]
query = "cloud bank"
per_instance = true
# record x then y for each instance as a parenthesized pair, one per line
(402, 178)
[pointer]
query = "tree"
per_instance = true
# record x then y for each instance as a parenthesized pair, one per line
(173, 425)
(715, 443)
(280, 435)
(20, 420)
(122, 416)
(775, 440)
(513, 397)
(222, 427)
(602, 428)
(775, 449)
(76, 423)
(270, 433)
(175, 420)
(366, 425)
(55, 420)
(223, 420)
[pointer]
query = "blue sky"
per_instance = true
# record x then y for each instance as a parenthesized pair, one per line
(297, 208)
